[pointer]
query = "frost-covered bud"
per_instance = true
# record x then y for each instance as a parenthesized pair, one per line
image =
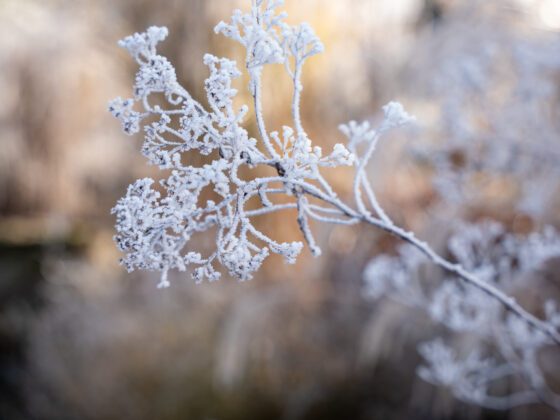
(232, 30)
(205, 272)
(130, 119)
(302, 41)
(257, 34)
(395, 115)
(289, 250)
(143, 45)
(341, 156)
(157, 75)
(218, 85)
(266, 50)
(240, 262)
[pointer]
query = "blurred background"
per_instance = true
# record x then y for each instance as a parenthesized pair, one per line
(82, 339)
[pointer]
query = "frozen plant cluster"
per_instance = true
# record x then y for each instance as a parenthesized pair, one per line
(213, 186)
(154, 230)
(508, 262)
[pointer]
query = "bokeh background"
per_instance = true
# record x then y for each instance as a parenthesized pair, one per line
(82, 339)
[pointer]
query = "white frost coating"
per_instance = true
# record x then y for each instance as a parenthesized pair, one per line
(155, 231)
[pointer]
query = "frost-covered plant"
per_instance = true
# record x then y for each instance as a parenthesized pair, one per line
(157, 224)
(506, 261)
(155, 232)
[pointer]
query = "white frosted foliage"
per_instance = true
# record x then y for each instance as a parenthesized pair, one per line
(159, 223)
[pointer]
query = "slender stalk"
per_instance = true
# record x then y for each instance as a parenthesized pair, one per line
(296, 99)
(257, 102)
(508, 302)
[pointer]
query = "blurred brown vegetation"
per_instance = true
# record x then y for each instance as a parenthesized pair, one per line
(81, 339)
